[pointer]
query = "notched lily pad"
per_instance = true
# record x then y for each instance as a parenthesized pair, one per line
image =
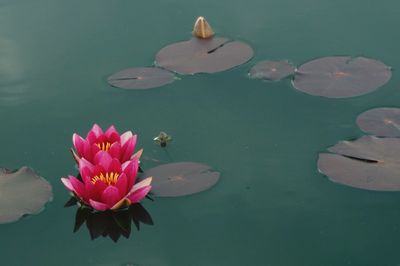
(141, 78)
(384, 122)
(341, 76)
(272, 70)
(22, 192)
(203, 55)
(368, 163)
(180, 179)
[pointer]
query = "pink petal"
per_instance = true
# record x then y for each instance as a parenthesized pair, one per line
(131, 169)
(97, 130)
(122, 184)
(95, 149)
(91, 137)
(139, 194)
(78, 187)
(87, 151)
(86, 174)
(67, 184)
(125, 137)
(85, 163)
(98, 205)
(115, 166)
(115, 150)
(100, 186)
(78, 142)
(110, 196)
(127, 149)
(112, 134)
(144, 183)
(103, 158)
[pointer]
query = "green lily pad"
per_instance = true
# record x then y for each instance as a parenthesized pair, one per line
(384, 122)
(203, 55)
(181, 179)
(141, 78)
(272, 70)
(22, 192)
(341, 76)
(368, 163)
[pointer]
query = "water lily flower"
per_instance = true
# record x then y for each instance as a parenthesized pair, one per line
(107, 184)
(118, 146)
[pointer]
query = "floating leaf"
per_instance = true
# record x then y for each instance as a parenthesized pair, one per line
(141, 78)
(272, 70)
(383, 122)
(180, 179)
(203, 55)
(369, 163)
(22, 192)
(341, 76)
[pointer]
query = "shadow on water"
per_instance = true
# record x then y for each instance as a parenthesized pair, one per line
(111, 224)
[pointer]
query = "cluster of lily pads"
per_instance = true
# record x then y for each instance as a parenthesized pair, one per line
(370, 162)
(332, 77)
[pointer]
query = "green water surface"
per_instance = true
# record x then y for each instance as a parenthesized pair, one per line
(271, 206)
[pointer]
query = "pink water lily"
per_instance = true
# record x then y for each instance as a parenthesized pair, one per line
(107, 184)
(118, 146)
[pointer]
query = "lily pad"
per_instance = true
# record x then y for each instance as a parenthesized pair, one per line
(203, 55)
(181, 179)
(384, 122)
(22, 192)
(341, 76)
(141, 78)
(368, 163)
(272, 70)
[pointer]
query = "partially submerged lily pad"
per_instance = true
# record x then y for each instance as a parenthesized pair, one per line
(141, 78)
(272, 70)
(22, 192)
(368, 163)
(341, 76)
(180, 179)
(203, 55)
(383, 122)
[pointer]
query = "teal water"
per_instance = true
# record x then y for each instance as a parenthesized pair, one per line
(271, 206)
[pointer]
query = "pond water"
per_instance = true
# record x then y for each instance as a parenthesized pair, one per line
(271, 205)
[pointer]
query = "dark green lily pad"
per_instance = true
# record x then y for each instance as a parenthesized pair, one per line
(368, 163)
(22, 192)
(141, 78)
(341, 76)
(272, 70)
(181, 179)
(203, 55)
(384, 122)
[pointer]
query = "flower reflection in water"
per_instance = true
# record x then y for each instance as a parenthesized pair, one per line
(111, 224)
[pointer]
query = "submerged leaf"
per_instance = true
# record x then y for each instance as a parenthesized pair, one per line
(203, 55)
(180, 179)
(368, 163)
(141, 78)
(272, 70)
(383, 122)
(22, 192)
(341, 76)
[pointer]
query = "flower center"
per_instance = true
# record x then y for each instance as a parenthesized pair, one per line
(108, 178)
(104, 146)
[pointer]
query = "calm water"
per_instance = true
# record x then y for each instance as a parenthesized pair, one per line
(271, 207)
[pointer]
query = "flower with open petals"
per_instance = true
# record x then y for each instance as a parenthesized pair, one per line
(107, 184)
(118, 146)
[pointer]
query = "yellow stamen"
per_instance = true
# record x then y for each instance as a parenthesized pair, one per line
(108, 178)
(104, 146)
